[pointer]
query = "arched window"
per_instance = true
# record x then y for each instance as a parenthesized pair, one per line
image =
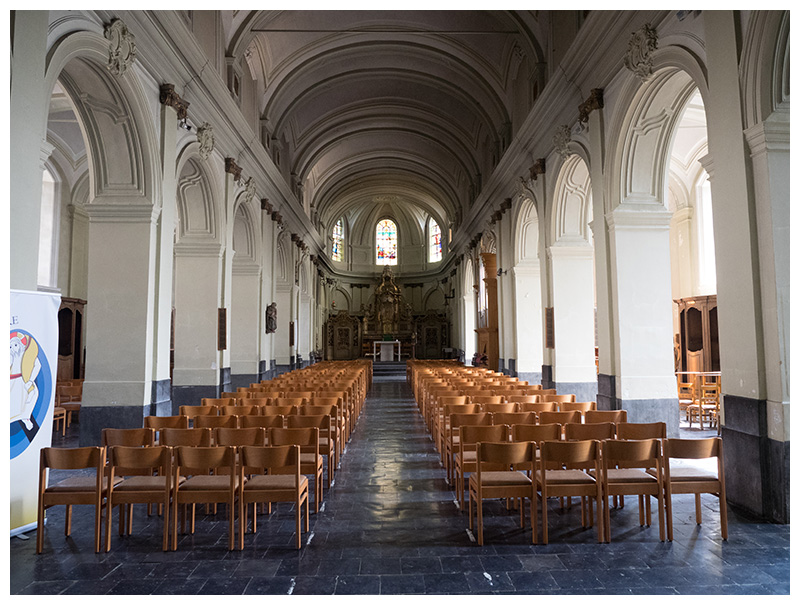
(434, 241)
(337, 248)
(386, 243)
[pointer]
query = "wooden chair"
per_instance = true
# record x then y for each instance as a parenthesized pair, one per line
(511, 397)
(284, 401)
(484, 399)
(685, 479)
(512, 418)
(327, 439)
(625, 466)
(580, 406)
(465, 460)
(240, 410)
(686, 397)
(563, 471)
(558, 398)
(60, 415)
(561, 418)
(214, 422)
(311, 462)
(535, 433)
(338, 399)
(76, 489)
(279, 410)
(705, 407)
(496, 476)
(192, 411)
(337, 423)
(218, 402)
(300, 394)
(202, 486)
(456, 421)
(231, 395)
(257, 402)
(576, 431)
(265, 422)
(538, 407)
(158, 423)
(615, 416)
(147, 479)
(238, 437)
(499, 408)
(195, 437)
(642, 430)
(279, 479)
(68, 397)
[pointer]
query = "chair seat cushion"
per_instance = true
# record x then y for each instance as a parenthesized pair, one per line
(493, 478)
(261, 482)
(208, 482)
(629, 475)
(141, 483)
(566, 476)
(79, 484)
(689, 473)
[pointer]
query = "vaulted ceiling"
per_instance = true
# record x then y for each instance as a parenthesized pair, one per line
(410, 106)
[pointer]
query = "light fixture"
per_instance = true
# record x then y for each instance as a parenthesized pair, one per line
(184, 123)
(501, 272)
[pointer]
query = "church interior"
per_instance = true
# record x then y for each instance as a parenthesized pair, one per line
(592, 202)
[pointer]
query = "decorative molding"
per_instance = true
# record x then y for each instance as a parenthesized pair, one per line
(505, 205)
(232, 168)
(170, 98)
(205, 136)
(266, 206)
(276, 216)
(121, 47)
(249, 190)
(537, 168)
(524, 188)
(595, 101)
(639, 58)
(561, 140)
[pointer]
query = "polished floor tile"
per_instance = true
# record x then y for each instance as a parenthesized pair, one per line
(390, 525)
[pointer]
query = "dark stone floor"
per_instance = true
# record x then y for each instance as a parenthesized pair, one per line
(389, 525)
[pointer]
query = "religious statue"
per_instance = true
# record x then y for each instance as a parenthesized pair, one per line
(387, 301)
(272, 318)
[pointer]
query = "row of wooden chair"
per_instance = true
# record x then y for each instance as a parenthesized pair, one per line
(594, 471)
(68, 396)
(700, 401)
(169, 477)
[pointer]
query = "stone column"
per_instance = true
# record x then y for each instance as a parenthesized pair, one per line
(528, 309)
(120, 362)
(28, 109)
(744, 229)
(642, 305)
(574, 370)
(244, 322)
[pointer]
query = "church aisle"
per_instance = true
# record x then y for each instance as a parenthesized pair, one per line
(389, 525)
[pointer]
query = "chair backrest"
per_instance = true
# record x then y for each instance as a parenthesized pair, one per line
(575, 454)
(538, 407)
(460, 408)
(72, 458)
(486, 399)
(504, 455)
(254, 401)
(299, 394)
(544, 392)
(475, 418)
(231, 395)
(166, 422)
(190, 411)
(615, 416)
(642, 430)
(595, 430)
(126, 460)
(265, 422)
(517, 397)
(580, 406)
(240, 410)
(213, 422)
(68, 392)
(558, 398)
(500, 408)
(284, 401)
(320, 421)
(693, 449)
(640, 453)
(306, 437)
(196, 437)
(278, 410)
(535, 432)
(131, 437)
(241, 436)
(320, 400)
(277, 459)
(218, 402)
(469, 435)
(446, 400)
(559, 417)
(203, 460)
(512, 418)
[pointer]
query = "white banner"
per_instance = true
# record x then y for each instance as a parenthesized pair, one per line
(34, 360)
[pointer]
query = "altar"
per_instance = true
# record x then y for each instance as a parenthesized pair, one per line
(388, 351)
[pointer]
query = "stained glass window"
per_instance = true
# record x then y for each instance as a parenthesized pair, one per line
(386, 243)
(337, 248)
(435, 241)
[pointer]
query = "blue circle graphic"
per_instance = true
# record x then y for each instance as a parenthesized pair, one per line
(21, 437)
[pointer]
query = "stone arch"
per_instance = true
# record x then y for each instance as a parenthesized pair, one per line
(573, 203)
(196, 200)
(526, 239)
(765, 66)
(468, 309)
(246, 244)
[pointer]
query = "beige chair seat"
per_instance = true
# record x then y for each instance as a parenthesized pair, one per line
(492, 478)
(566, 476)
(207, 483)
(78, 484)
(270, 482)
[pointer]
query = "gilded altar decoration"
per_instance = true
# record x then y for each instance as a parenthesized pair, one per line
(388, 313)
(641, 46)
(121, 47)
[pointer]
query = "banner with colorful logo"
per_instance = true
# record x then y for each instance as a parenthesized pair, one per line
(34, 360)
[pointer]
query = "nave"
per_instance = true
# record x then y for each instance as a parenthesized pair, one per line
(389, 525)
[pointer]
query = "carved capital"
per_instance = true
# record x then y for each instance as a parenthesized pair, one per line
(121, 47)
(266, 206)
(537, 168)
(505, 205)
(595, 101)
(276, 216)
(295, 238)
(249, 189)
(170, 98)
(232, 168)
(639, 58)
(205, 136)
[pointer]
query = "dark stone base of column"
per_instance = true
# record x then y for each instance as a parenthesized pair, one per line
(243, 380)
(161, 398)
(512, 367)
(607, 392)
(225, 380)
(547, 377)
(756, 467)
(191, 394)
(282, 369)
(530, 377)
(583, 391)
(654, 410)
(93, 419)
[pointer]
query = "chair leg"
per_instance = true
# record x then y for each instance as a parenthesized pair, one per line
(68, 521)
(698, 509)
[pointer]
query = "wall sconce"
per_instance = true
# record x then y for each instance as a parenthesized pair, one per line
(449, 297)
(501, 272)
